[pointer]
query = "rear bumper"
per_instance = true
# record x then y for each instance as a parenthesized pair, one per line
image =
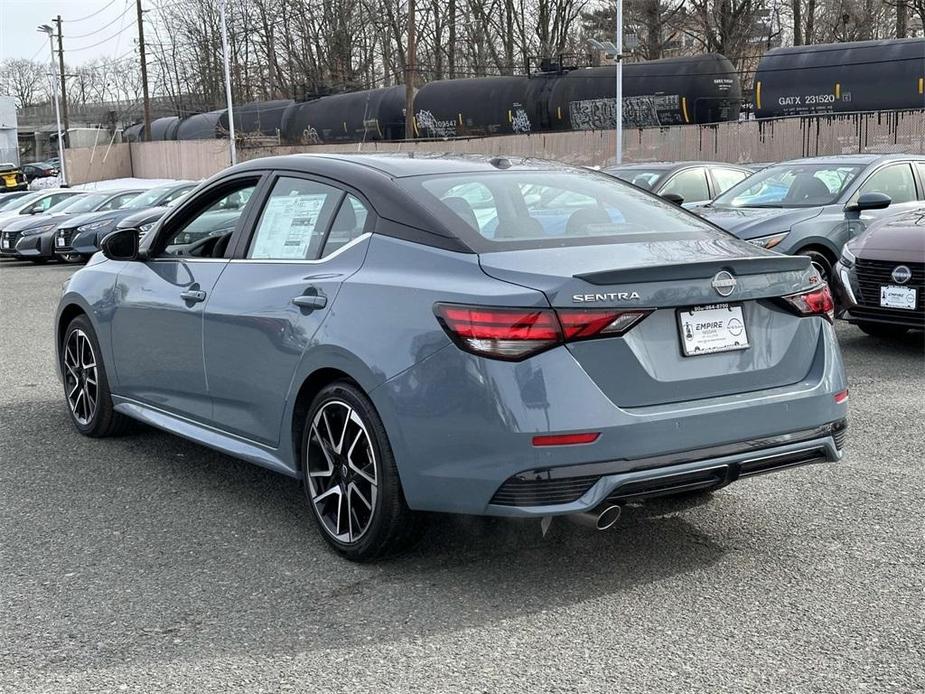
(461, 428)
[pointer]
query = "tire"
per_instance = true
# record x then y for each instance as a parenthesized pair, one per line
(884, 330)
(353, 488)
(71, 258)
(81, 364)
(38, 261)
(821, 262)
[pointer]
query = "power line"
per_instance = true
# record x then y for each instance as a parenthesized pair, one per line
(98, 43)
(92, 14)
(105, 26)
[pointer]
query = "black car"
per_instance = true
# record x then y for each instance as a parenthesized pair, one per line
(691, 181)
(39, 170)
(880, 277)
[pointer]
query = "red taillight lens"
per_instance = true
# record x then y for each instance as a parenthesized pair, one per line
(816, 302)
(503, 333)
(841, 396)
(580, 325)
(517, 333)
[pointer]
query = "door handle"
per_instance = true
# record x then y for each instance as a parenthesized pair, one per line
(311, 301)
(193, 295)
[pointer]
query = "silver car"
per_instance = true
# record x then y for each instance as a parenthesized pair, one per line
(814, 206)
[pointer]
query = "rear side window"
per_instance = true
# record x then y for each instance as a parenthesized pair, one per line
(537, 209)
(726, 178)
(349, 223)
(294, 220)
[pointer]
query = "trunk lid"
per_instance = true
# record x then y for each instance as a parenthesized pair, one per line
(647, 365)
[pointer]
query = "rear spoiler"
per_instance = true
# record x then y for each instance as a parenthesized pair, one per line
(756, 265)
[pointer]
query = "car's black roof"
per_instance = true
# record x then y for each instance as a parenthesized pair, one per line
(669, 165)
(400, 164)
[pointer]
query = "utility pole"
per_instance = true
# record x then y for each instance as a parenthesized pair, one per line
(146, 132)
(618, 102)
(45, 29)
(67, 141)
(410, 69)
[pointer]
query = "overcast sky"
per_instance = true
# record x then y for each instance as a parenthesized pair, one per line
(19, 19)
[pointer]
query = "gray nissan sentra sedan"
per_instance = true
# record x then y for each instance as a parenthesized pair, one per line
(458, 334)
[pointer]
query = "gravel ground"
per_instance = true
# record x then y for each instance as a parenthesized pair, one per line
(150, 564)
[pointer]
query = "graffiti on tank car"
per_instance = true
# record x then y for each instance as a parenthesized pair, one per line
(310, 136)
(638, 112)
(520, 121)
(431, 127)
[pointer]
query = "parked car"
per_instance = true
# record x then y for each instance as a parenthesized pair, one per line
(356, 328)
(12, 178)
(39, 170)
(814, 206)
(12, 229)
(80, 237)
(8, 200)
(880, 276)
(145, 220)
(689, 182)
(35, 203)
(33, 238)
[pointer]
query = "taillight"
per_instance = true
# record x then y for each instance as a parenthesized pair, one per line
(816, 302)
(517, 333)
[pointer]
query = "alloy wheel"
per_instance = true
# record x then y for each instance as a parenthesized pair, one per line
(341, 466)
(81, 377)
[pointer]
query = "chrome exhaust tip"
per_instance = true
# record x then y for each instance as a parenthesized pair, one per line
(602, 518)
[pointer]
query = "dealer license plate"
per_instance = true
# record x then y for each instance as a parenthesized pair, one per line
(59, 242)
(711, 329)
(892, 296)
(6, 243)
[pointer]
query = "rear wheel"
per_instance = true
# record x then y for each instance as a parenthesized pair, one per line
(350, 477)
(882, 329)
(86, 387)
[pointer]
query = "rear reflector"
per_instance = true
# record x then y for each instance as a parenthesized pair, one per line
(517, 333)
(816, 302)
(841, 397)
(565, 439)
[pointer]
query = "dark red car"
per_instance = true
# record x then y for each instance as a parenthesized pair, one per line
(880, 277)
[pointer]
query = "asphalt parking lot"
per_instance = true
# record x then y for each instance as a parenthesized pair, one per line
(147, 563)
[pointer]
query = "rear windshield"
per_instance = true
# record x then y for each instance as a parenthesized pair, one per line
(791, 185)
(506, 210)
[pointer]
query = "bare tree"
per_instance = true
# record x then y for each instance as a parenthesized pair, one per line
(27, 79)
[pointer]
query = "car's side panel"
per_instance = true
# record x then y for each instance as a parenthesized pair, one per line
(254, 335)
(157, 333)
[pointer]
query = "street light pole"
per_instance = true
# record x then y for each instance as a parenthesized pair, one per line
(44, 28)
(618, 105)
(234, 151)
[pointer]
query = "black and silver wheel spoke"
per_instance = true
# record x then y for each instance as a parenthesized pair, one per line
(341, 468)
(81, 380)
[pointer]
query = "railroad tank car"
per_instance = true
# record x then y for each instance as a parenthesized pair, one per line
(260, 117)
(203, 126)
(480, 106)
(671, 91)
(841, 77)
(132, 133)
(372, 114)
(164, 128)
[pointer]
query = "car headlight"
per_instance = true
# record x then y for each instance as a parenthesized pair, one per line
(96, 226)
(769, 241)
(38, 230)
(847, 257)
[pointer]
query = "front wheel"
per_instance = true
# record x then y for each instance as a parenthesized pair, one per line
(350, 477)
(86, 387)
(884, 330)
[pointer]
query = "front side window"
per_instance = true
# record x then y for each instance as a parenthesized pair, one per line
(791, 185)
(207, 232)
(535, 209)
(119, 201)
(690, 184)
(294, 220)
(896, 181)
(85, 203)
(644, 178)
(50, 201)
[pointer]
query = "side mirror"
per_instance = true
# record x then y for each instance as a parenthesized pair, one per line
(870, 201)
(121, 244)
(673, 197)
(35, 209)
